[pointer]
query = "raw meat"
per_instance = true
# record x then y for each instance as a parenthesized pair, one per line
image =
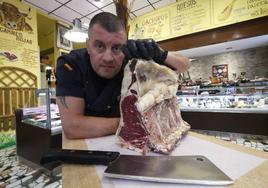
(150, 115)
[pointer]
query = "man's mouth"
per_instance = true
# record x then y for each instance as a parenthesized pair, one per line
(107, 66)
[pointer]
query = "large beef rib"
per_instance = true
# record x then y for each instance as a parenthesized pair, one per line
(150, 115)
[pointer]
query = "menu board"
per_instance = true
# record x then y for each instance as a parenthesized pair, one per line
(190, 16)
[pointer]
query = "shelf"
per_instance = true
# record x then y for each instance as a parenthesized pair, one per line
(56, 130)
(228, 110)
(224, 90)
(225, 95)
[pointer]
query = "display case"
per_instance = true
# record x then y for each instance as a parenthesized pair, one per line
(240, 109)
(38, 130)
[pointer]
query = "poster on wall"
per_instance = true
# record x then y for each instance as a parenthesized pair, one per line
(220, 71)
(62, 42)
(18, 36)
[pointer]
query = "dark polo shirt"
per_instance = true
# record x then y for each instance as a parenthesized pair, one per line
(102, 96)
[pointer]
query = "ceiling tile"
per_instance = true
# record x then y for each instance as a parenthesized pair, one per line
(93, 14)
(47, 6)
(153, 1)
(110, 8)
(83, 7)
(66, 14)
(165, 3)
(138, 4)
(62, 1)
(85, 20)
(132, 16)
(143, 10)
(101, 3)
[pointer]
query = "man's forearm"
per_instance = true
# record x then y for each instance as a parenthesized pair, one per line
(76, 125)
(178, 62)
(80, 126)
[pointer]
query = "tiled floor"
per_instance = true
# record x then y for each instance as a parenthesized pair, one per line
(14, 174)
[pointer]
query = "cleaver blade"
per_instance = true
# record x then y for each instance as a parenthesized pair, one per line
(194, 169)
(190, 169)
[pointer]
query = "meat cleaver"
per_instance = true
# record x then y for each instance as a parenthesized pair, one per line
(194, 169)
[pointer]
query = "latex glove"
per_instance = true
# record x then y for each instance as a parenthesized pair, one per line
(144, 49)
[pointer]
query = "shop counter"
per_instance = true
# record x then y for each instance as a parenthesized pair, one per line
(255, 176)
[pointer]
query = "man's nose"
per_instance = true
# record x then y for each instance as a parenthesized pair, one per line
(108, 56)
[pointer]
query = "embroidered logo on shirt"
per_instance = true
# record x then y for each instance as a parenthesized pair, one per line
(67, 67)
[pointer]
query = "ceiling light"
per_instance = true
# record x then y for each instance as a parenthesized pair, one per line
(192, 59)
(98, 1)
(76, 34)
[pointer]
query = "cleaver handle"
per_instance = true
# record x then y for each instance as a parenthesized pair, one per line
(80, 156)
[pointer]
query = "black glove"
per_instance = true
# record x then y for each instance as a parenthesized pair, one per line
(144, 49)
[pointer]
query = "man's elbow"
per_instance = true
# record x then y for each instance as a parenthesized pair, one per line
(69, 135)
(69, 131)
(183, 65)
(187, 63)
(178, 62)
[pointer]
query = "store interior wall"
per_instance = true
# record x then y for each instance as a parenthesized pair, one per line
(47, 38)
(46, 35)
(252, 61)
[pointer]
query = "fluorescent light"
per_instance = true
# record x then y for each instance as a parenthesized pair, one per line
(48, 67)
(192, 59)
(76, 34)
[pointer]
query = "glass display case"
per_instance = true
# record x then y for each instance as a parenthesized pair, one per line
(39, 116)
(228, 103)
(45, 116)
(239, 109)
(38, 129)
(228, 99)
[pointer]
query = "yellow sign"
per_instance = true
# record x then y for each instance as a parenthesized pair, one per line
(18, 36)
(153, 26)
(190, 16)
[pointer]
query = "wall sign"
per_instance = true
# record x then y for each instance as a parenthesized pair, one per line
(61, 41)
(220, 71)
(191, 16)
(18, 36)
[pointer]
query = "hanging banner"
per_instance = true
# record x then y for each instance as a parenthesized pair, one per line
(191, 16)
(18, 36)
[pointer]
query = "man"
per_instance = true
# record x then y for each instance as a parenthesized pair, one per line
(89, 80)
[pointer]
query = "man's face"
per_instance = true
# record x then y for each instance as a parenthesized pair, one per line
(105, 51)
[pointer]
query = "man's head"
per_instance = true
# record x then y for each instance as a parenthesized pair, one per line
(106, 36)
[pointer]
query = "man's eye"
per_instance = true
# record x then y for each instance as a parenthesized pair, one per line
(116, 49)
(100, 46)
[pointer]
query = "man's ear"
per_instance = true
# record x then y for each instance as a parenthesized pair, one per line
(88, 45)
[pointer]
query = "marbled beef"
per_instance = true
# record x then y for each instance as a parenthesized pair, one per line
(150, 115)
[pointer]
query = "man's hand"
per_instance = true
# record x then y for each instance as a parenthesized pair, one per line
(144, 49)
